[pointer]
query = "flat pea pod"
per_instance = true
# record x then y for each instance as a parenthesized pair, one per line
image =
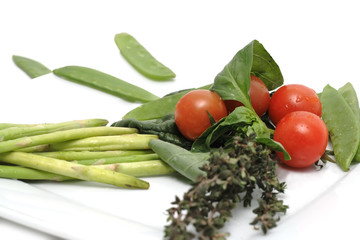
(105, 82)
(141, 59)
(158, 108)
(349, 94)
(342, 126)
(31, 67)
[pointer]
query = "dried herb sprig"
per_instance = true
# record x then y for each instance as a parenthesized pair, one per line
(232, 176)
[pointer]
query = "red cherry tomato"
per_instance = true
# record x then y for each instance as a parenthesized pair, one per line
(293, 97)
(259, 96)
(304, 136)
(191, 112)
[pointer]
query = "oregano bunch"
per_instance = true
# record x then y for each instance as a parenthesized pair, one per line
(233, 174)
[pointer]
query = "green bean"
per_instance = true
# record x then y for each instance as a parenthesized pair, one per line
(141, 59)
(349, 94)
(31, 67)
(104, 82)
(342, 125)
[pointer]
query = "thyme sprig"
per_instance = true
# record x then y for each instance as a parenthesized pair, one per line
(233, 174)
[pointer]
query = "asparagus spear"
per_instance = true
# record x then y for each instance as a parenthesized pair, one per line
(106, 143)
(35, 149)
(73, 170)
(140, 169)
(9, 125)
(82, 155)
(17, 132)
(120, 159)
(18, 172)
(136, 169)
(61, 136)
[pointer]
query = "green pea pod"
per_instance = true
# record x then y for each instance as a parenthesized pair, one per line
(342, 126)
(104, 82)
(349, 94)
(141, 59)
(31, 67)
(158, 108)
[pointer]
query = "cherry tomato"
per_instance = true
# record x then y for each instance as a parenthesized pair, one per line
(259, 96)
(293, 97)
(304, 136)
(191, 112)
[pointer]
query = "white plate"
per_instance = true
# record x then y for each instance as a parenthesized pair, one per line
(92, 211)
(314, 43)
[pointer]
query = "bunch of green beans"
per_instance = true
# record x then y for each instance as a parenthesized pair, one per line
(81, 149)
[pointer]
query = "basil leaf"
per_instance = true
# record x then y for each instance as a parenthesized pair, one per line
(241, 120)
(233, 82)
(276, 146)
(183, 161)
(265, 67)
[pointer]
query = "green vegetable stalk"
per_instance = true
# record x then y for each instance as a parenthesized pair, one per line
(60, 136)
(105, 143)
(9, 125)
(24, 173)
(12, 133)
(73, 170)
(86, 155)
(119, 159)
(136, 169)
(140, 169)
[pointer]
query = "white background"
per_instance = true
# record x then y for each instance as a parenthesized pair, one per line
(314, 42)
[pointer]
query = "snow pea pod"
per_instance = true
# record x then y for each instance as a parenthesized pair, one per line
(349, 94)
(141, 59)
(31, 67)
(104, 82)
(342, 126)
(158, 108)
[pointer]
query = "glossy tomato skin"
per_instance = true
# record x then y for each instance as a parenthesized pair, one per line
(304, 136)
(259, 96)
(191, 115)
(293, 97)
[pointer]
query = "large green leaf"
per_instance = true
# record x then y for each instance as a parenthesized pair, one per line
(233, 82)
(242, 120)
